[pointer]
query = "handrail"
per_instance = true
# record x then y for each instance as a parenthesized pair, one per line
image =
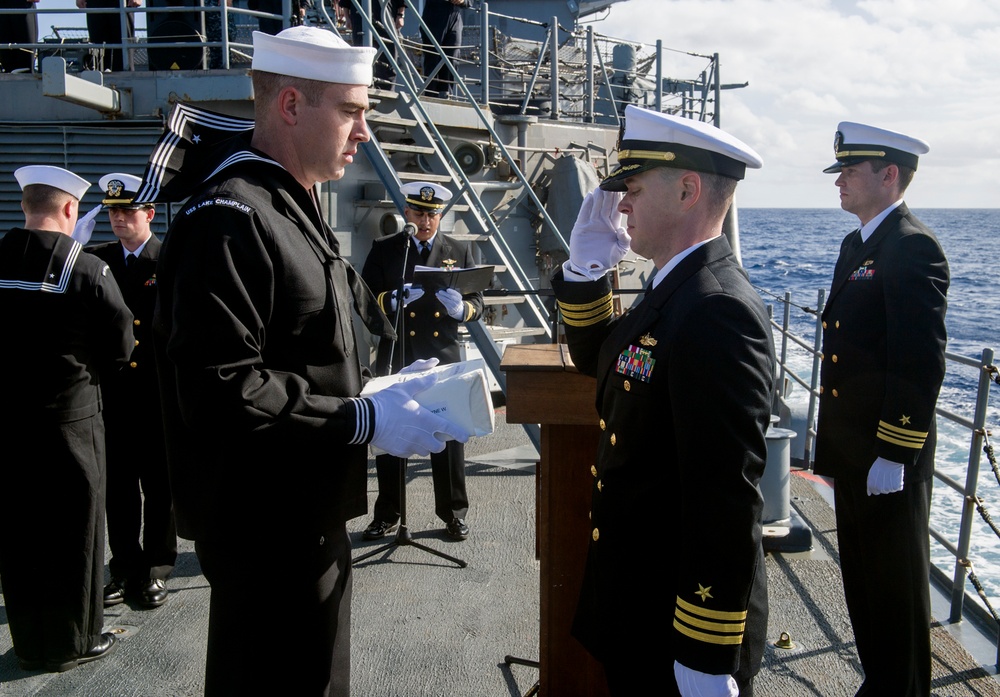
(968, 489)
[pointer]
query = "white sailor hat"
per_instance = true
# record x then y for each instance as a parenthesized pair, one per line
(425, 196)
(856, 142)
(56, 177)
(653, 139)
(120, 190)
(314, 54)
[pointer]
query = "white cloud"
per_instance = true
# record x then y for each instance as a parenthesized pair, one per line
(919, 66)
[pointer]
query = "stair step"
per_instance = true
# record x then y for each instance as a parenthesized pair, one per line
(406, 147)
(515, 332)
(380, 119)
(423, 176)
(511, 299)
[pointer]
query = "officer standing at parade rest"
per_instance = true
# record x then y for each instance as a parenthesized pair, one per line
(430, 326)
(260, 372)
(684, 386)
(141, 532)
(65, 325)
(883, 363)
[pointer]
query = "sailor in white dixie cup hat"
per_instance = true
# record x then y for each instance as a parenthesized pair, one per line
(269, 437)
(698, 342)
(883, 356)
(64, 320)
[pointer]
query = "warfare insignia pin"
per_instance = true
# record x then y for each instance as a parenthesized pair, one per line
(647, 340)
(449, 263)
(427, 193)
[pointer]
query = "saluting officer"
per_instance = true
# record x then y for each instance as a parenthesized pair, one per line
(65, 325)
(141, 531)
(684, 386)
(430, 327)
(883, 362)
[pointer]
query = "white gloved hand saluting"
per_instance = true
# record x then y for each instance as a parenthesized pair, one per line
(404, 428)
(692, 683)
(598, 240)
(85, 224)
(409, 295)
(453, 303)
(885, 477)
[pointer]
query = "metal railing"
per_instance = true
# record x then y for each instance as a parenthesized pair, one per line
(976, 425)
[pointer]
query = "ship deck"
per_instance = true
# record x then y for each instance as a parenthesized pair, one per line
(422, 626)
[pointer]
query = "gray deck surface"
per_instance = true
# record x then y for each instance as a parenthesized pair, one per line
(423, 627)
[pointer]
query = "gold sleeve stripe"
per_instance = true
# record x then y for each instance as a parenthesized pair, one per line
(729, 627)
(909, 439)
(711, 614)
(468, 310)
(903, 432)
(588, 314)
(383, 302)
(725, 640)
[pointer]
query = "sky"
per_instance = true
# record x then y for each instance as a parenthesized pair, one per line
(926, 68)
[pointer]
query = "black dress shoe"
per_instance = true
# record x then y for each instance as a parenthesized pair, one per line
(102, 648)
(377, 530)
(153, 593)
(114, 592)
(457, 529)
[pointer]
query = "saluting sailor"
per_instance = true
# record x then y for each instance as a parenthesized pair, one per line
(684, 386)
(66, 324)
(883, 362)
(430, 326)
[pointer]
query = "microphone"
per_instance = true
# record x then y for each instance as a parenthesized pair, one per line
(409, 229)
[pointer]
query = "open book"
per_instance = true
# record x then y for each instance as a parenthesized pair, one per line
(471, 280)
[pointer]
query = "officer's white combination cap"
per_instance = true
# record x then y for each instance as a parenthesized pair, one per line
(120, 189)
(425, 195)
(56, 177)
(654, 139)
(313, 54)
(857, 142)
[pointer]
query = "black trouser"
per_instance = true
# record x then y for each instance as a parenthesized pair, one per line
(885, 560)
(52, 546)
(139, 503)
(448, 471)
(107, 29)
(309, 576)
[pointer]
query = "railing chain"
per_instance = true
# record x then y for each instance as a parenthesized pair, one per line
(985, 514)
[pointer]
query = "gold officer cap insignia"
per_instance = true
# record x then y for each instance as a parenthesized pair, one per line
(647, 340)
(427, 193)
(115, 188)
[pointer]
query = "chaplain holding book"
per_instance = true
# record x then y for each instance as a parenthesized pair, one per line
(431, 321)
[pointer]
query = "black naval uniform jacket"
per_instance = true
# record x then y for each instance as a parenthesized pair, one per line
(883, 351)
(429, 330)
(258, 361)
(684, 386)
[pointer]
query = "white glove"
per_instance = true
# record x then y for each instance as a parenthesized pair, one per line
(404, 428)
(692, 683)
(85, 225)
(409, 295)
(453, 303)
(885, 477)
(598, 240)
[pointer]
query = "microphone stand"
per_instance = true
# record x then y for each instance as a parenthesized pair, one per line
(397, 356)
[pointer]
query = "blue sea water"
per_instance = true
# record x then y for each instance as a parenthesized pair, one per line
(794, 250)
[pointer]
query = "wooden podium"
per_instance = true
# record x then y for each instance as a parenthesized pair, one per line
(544, 387)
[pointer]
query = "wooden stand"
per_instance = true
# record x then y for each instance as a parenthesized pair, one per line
(543, 387)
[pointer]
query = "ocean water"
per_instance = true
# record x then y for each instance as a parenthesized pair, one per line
(795, 250)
